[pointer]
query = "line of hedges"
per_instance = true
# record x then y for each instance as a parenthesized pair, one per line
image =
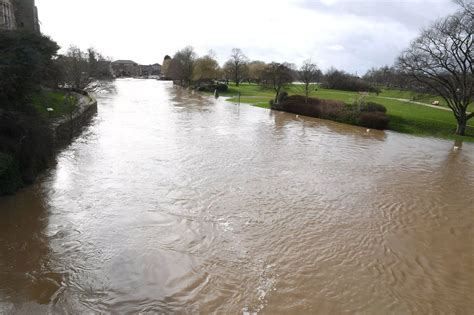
(370, 115)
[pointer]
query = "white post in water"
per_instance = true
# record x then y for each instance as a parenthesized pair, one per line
(50, 111)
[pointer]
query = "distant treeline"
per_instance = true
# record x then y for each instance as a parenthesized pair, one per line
(188, 69)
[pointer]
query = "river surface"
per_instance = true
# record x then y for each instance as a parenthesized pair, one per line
(173, 202)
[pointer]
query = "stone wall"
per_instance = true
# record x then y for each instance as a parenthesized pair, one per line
(26, 15)
(68, 127)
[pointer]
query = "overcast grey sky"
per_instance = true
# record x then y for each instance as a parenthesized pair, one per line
(353, 35)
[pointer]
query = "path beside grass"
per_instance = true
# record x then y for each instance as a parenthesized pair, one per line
(406, 116)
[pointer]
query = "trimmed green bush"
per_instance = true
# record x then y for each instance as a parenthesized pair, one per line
(206, 87)
(315, 107)
(374, 120)
(371, 116)
(10, 178)
(221, 87)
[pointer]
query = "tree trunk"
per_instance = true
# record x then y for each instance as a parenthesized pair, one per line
(461, 129)
(276, 96)
(306, 90)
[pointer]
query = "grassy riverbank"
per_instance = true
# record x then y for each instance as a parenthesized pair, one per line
(52, 99)
(405, 116)
(26, 138)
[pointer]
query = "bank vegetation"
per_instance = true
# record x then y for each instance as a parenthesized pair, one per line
(37, 86)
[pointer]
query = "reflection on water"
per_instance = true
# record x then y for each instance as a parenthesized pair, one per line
(177, 202)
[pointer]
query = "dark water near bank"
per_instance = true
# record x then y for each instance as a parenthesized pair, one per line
(177, 203)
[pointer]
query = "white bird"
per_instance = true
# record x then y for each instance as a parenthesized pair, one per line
(368, 130)
(455, 148)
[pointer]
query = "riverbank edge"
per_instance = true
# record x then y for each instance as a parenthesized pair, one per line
(67, 127)
(266, 105)
(63, 130)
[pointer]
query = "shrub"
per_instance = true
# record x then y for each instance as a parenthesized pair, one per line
(206, 87)
(373, 107)
(335, 110)
(25, 63)
(10, 178)
(314, 108)
(282, 96)
(222, 87)
(374, 120)
(28, 140)
(340, 80)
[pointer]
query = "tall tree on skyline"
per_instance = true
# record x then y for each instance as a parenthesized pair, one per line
(182, 65)
(441, 58)
(236, 66)
(309, 74)
(277, 75)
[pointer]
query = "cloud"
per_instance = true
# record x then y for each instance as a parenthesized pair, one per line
(413, 14)
(350, 35)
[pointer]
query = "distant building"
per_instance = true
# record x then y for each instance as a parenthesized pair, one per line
(156, 69)
(126, 68)
(148, 70)
(19, 15)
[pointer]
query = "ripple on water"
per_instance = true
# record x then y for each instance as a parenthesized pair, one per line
(172, 202)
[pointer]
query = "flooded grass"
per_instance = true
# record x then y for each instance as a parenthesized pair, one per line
(406, 117)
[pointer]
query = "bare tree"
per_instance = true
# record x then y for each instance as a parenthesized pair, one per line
(85, 70)
(467, 5)
(181, 66)
(309, 74)
(277, 75)
(236, 66)
(442, 59)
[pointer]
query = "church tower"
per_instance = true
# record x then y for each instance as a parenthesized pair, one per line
(7, 15)
(26, 15)
(19, 15)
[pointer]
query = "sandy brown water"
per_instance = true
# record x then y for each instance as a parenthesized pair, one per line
(173, 202)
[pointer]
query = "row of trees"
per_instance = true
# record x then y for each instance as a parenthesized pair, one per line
(83, 70)
(187, 69)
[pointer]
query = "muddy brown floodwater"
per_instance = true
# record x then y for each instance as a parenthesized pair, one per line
(178, 203)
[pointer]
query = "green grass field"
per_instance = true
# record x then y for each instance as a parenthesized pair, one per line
(405, 117)
(52, 99)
